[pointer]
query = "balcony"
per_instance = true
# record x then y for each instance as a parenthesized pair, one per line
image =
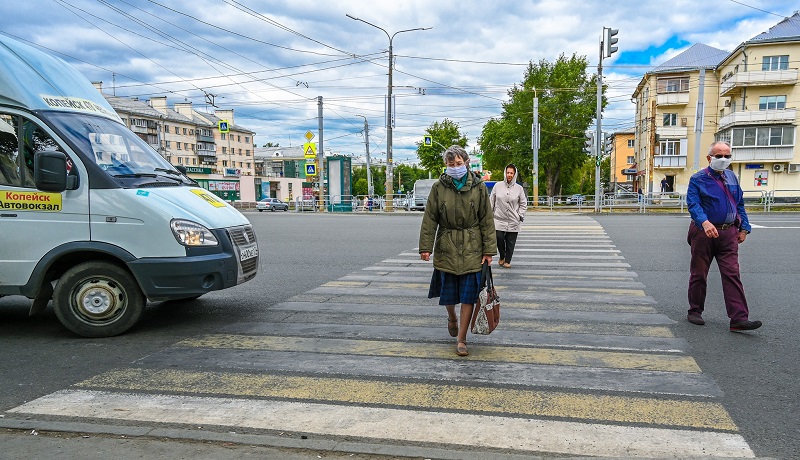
(672, 132)
(672, 99)
(758, 78)
(755, 117)
(669, 161)
(766, 154)
(202, 138)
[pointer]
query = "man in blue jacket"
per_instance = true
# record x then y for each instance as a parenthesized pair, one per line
(719, 225)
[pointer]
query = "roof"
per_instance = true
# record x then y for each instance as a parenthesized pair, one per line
(787, 29)
(289, 153)
(697, 56)
(49, 82)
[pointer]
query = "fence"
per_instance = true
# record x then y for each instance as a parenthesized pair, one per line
(765, 201)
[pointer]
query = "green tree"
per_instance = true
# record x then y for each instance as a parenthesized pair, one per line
(271, 144)
(567, 103)
(443, 135)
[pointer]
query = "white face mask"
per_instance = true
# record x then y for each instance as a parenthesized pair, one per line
(456, 172)
(720, 164)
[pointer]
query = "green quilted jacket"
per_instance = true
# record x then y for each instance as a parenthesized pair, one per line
(458, 225)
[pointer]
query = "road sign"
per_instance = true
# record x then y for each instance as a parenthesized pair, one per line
(310, 149)
(428, 140)
(223, 126)
(311, 169)
(309, 136)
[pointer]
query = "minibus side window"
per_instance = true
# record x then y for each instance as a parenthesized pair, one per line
(16, 169)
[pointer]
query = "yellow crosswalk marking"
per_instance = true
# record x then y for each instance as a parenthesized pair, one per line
(586, 407)
(586, 358)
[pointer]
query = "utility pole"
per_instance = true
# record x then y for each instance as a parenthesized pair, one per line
(370, 187)
(320, 157)
(653, 142)
(389, 118)
(535, 128)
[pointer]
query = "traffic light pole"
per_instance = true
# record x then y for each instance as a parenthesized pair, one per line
(599, 132)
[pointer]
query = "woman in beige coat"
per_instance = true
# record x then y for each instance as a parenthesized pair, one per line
(509, 204)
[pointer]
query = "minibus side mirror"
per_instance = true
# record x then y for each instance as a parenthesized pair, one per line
(50, 171)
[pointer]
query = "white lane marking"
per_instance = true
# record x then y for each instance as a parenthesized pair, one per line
(573, 438)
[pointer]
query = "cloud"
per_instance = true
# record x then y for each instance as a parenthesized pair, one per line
(270, 60)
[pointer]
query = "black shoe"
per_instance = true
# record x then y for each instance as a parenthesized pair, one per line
(745, 326)
(695, 318)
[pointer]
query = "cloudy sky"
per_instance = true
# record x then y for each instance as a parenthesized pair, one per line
(269, 60)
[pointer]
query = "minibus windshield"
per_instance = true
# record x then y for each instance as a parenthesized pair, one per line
(112, 146)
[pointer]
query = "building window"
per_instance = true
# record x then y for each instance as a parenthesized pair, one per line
(224, 163)
(670, 119)
(222, 136)
(166, 143)
(177, 130)
(224, 150)
(247, 165)
(630, 143)
(238, 138)
(166, 128)
(764, 136)
(180, 160)
(247, 139)
(631, 160)
(186, 146)
(775, 62)
(771, 102)
(247, 152)
(673, 85)
(179, 145)
(670, 147)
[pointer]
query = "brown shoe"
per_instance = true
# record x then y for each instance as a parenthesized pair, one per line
(507, 265)
(501, 262)
(461, 349)
(452, 327)
(695, 318)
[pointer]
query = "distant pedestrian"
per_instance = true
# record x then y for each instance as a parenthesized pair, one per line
(664, 185)
(640, 194)
(458, 228)
(509, 204)
(719, 225)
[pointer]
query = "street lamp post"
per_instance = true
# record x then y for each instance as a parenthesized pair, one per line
(370, 187)
(389, 174)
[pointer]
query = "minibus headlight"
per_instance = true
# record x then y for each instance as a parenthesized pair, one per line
(190, 233)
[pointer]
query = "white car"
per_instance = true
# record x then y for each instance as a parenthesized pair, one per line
(272, 204)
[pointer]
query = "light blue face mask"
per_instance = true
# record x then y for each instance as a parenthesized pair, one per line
(456, 172)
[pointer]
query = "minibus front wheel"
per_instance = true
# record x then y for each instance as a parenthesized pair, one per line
(98, 299)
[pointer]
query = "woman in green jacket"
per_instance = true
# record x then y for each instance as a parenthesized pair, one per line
(458, 228)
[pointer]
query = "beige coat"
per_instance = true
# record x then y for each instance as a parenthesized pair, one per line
(509, 204)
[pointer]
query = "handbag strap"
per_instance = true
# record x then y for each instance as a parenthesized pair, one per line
(486, 276)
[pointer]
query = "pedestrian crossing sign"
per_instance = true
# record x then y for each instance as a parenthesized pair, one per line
(311, 169)
(428, 140)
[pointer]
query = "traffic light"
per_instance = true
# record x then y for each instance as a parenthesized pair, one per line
(609, 41)
(588, 143)
(608, 143)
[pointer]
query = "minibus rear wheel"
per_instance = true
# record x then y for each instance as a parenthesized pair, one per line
(98, 299)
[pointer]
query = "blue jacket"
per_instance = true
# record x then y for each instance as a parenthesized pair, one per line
(707, 199)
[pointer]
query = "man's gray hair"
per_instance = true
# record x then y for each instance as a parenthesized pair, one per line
(715, 143)
(455, 151)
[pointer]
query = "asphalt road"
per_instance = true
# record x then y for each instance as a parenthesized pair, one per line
(756, 371)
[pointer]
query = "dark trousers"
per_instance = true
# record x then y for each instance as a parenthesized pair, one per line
(505, 244)
(725, 249)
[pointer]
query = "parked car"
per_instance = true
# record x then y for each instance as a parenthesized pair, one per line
(575, 199)
(272, 204)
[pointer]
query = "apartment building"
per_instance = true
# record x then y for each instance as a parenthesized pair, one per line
(222, 162)
(670, 139)
(623, 161)
(748, 97)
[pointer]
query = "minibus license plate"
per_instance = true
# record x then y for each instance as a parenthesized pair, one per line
(248, 253)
